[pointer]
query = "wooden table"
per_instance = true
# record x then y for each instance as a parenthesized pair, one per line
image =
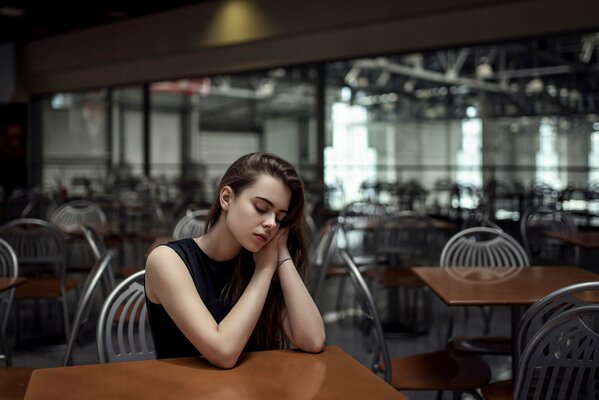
(9, 283)
(520, 286)
(585, 239)
(277, 374)
(512, 286)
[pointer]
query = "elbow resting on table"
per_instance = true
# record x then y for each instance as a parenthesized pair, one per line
(314, 344)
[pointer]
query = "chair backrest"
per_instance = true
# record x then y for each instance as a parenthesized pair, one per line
(36, 242)
(123, 331)
(547, 307)
(320, 254)
(9, 268)
(92, 282)
(70, 216)
(359, 219)
(540, 248)
(560, 362)
(191, 224)
(370, 322)
(95, 241)
(483, 247)
(407, 239)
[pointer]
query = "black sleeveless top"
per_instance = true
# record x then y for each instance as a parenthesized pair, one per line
(210, 278)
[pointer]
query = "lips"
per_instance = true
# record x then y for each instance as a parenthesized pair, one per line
(261, 237)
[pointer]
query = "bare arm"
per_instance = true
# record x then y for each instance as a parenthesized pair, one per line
(168, 282)
(302, 323)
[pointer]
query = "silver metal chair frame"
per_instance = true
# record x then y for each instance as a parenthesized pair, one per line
(561, 359)
(192, 224)
(82, 311)
(125, 311)
(9, 268)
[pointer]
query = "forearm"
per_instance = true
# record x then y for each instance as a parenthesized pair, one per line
(305, 327)
(235, 329)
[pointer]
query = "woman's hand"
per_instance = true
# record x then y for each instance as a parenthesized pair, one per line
(268, 256)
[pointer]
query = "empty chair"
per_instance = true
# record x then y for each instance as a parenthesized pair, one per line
(70, 216)
(531, 322)
(560, 361)
(428, 371)
(191, 224)
(402, 241)
(82, 311)
(41, 249)
(542, 249)
(483, 247)
(123, 331)
(320, 254)
(9, 268)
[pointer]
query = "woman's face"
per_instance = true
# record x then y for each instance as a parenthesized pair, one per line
(254, 214)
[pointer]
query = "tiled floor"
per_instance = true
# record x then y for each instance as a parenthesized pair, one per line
(340, 331)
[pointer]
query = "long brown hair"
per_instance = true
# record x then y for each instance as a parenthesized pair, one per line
(268, 333)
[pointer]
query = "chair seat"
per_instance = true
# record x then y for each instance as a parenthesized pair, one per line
(439, 371)
(44, 287)
(13, 382)
(500, 390)
(483, 344)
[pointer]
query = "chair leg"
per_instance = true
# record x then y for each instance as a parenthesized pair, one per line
(65, 318)
(340, 294)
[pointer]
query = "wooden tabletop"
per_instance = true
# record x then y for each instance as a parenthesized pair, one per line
(277, 374)
(479, 286)
(586, 239)
(8, 283)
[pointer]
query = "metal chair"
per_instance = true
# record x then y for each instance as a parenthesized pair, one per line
(41, 248)
(359, 220)
(70, 216)
(98, 248)
(100, 269)
(428, 371)
(320, 255)
(531, 322)
(191, 224)
(482, 247)
(9, 268)
(561, 359)
(541, 249)
(402, 241)
(123, 331)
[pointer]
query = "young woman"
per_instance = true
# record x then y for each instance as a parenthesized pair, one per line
(240, 285)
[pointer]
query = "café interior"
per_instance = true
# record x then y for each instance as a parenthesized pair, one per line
(450, 157)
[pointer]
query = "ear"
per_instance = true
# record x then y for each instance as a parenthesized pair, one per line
(225, 197)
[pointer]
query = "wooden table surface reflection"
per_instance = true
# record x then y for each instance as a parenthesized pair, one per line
(277, 374)
(9, 283)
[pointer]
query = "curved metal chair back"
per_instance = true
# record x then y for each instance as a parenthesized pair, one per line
(370, 322)
(407, 239)
(560, 362)
(484, 247)
(192, 224)
(547, 307)
(123, 331)
(101, 267)
(72, 215)
(95, 241)
(9, 268)
(359, 220)
(320, 254)
(36, 242)
(540, 248)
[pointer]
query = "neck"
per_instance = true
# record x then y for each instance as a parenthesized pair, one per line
(218, 243)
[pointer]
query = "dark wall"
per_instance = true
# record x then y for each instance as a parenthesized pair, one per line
(13, 148)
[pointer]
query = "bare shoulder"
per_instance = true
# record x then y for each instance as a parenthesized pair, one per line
(164, 268)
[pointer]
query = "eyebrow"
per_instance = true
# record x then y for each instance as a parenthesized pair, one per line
(270, 203)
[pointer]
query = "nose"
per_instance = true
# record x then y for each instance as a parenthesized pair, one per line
(270, 221)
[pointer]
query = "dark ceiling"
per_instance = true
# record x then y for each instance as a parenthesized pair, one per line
(24, 21)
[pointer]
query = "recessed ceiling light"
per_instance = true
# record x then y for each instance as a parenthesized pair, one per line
(11, 12)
